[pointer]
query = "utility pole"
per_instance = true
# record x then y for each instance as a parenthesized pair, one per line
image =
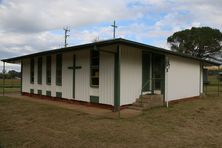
(66, 29)
(114, 29)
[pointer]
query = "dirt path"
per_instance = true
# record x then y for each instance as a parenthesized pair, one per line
(125, 113)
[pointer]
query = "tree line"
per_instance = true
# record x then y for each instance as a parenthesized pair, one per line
(11, 74)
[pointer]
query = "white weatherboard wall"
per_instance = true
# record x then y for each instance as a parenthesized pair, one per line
(26, 76)
(201, 79)
(182, 78)
(82, 76)
(130, 74)
(82, 81)
(83, 91)
(106, 82)
(67, 76)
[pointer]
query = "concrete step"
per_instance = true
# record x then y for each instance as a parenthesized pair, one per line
(153, 104)
(151, 96)
(139, 104)
(147, 102)
(139, 100)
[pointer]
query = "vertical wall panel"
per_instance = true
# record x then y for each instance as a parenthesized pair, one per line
(130, 74)
(35, 85)
(67, 76)
(82, 75)
(53, 86)
(26, 86)
(53, 80)
(44, 87)
(106, 75)
(201, 79)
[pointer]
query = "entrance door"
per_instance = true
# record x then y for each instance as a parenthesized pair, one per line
(157, 71)
(152, 72)
(146, 71)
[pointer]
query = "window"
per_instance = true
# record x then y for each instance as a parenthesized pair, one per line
(48, 93)
(40, 70)
(31, 91)
(48, 69)
(32, 70)
(94, 68)
(39, 92)
(59, 69)
(94, 99)
(58, 95)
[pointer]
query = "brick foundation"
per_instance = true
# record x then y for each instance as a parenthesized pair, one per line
(72, 101)
(184, 99)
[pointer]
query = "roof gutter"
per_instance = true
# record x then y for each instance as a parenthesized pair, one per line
(111, 42)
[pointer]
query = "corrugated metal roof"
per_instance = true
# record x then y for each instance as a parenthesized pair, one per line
(117, 41)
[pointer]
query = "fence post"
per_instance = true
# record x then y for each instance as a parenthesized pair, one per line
(3, 78)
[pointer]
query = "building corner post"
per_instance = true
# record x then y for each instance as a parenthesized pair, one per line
(218, 75)
(117, 81)
(166, 70)
(21, 76)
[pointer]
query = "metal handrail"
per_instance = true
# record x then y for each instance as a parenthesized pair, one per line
(145, 84)
(148, 81)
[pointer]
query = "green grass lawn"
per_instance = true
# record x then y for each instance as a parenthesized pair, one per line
(195, 123)
(10, 82)
(10, 90)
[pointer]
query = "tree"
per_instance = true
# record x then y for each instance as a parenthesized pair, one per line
(14, 74)
(202, 42)
(11, 74)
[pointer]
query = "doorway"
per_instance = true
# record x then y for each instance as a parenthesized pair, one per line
(152, 73)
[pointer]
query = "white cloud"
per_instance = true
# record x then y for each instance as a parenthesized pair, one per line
(207, 12)
(89, 35)
(41, 15)
(20, 44)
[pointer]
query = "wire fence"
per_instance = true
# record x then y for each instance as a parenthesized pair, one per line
(213, 86)
(10, 86)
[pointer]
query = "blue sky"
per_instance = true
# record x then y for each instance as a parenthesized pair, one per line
(27, 26)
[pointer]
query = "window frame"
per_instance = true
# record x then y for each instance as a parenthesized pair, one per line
(39, 70)
(32, 70)
(94, 55)
(59, 58)
(48, 70)
(48, 93)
